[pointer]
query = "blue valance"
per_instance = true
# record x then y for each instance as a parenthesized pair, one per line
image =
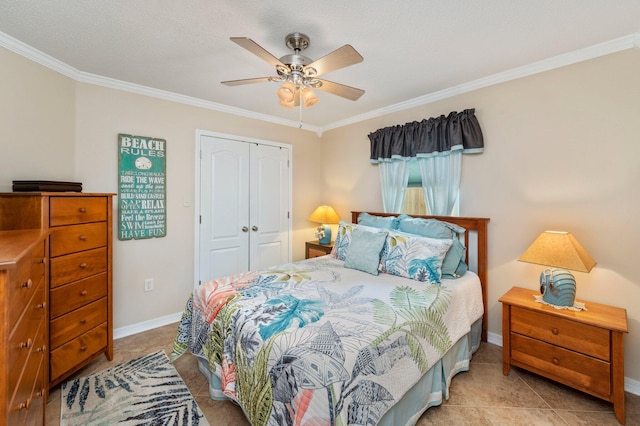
(433, 136)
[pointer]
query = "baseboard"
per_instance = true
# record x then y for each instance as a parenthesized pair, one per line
(128, 330)
(630, 385)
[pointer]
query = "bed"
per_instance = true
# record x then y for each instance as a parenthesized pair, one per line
(371, 334)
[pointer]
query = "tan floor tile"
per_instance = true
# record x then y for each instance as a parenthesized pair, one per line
(497, 390)
(480, 416)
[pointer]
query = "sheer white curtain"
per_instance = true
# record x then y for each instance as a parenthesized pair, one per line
(394, 175)
(441, 181)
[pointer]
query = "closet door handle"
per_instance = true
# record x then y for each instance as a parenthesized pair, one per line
(245, 229)
(254, 228)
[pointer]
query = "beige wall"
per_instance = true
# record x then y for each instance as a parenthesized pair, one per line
(562, 152)
(54, 128)
(37, 119)
(103, 113)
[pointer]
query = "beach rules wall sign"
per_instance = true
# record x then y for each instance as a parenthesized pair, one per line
(142, 187)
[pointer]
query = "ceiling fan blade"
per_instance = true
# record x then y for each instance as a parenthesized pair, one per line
(342, 90)
(257, 50)
(339, 58)
(245, 81)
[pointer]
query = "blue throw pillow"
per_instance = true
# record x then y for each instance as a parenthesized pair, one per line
(385, 222)
(454, 265)
(414, 257)
(363, 253)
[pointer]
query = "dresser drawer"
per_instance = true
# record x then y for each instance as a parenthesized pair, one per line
(28, 336)
(77, 351)
(75, 238)
(75, 323)
(581, 371)
(27, 402)
(580, 337)
(68, 297)
(73, 267)
(73, 210)
(30, 273)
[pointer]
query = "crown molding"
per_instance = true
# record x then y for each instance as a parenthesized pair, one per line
(601, 49)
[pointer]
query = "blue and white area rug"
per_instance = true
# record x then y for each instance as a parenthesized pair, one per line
(144, 391)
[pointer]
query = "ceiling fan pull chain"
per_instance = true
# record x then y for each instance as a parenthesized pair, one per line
(300, 107)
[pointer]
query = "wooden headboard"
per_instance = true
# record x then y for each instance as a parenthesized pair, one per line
(471, 224)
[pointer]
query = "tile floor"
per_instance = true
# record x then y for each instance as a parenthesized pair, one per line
(481, 396)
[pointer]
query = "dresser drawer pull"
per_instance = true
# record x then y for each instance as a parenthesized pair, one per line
(82, 238)
(82, 210)
(84, 293)
(40, 393)
(83, 348)
(27, 284)
(555, 361)
(83, 321)
(26, 345)
(41, 305)
(25, 405)
(42, 348)
(554, 331)
(83, 265)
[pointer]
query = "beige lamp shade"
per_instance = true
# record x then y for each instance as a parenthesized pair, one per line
(559, 250)
(324, 214)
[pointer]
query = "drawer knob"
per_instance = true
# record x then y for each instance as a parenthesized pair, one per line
(42, 348)
(83, 348)
(82, 238)
(40, 393)
(83, 321)
(82, 210)
(25, 405)
(27, 284)
(83, 265)
(83, 293)
(41, 305)
(26, 345)
(554, 331)
(555, 361)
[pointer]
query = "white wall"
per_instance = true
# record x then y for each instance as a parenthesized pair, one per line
(562, 152)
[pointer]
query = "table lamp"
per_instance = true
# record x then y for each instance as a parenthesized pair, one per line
(324, 215)
(558, 250)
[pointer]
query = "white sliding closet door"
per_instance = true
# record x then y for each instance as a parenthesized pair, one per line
(244, 204)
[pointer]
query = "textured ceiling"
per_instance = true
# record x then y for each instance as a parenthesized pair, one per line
(411, 48)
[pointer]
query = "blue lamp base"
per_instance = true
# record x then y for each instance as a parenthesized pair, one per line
(558, 287)
(324, 234)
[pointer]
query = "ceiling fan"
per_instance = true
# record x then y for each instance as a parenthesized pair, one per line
(299, 74)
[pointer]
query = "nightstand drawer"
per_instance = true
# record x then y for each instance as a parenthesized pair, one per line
(582, 371)
(580, 337)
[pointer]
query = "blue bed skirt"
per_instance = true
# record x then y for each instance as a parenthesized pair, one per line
(428, 392)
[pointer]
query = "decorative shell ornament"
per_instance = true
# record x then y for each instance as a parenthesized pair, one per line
(558, 287)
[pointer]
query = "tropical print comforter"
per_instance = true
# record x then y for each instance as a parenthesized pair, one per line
(314, 343)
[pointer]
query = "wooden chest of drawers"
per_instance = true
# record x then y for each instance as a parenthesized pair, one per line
(23, 327)
(584, 350)
(80, 273)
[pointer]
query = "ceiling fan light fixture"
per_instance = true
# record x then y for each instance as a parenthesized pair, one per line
(309, 99)
(285, 93)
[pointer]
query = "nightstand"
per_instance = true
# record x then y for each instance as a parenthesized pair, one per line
(315, 249)
(581, 349)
